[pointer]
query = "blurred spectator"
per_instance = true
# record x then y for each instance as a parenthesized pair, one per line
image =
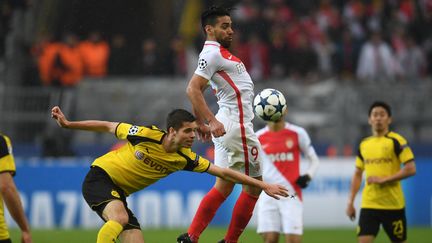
(64, 72)
(278, 52)
(377, 61)
(412, 61)
(120, 57)
(255, 56)
(95, 53)
(347, 52)
(326, 52)
(46, 50)
(176, 58)
(303, 61)
(148, 63)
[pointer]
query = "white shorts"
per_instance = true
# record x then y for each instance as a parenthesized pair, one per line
(283, 216)
(238, 145)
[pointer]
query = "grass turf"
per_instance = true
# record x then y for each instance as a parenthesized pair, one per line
(214, 234)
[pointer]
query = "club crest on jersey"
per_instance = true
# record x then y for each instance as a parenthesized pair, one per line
(202, 64)
(139, 155)
(289, 143)
(133, 130)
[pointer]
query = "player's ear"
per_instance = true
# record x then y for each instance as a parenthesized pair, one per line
(208, 29)
(171, 130)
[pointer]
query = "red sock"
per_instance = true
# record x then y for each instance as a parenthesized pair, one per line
(205, 213)
(241, 215)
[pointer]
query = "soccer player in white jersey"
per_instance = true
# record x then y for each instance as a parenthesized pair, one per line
(236, 145)
(283, 144)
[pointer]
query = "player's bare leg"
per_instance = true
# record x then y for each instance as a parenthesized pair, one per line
(224, 187)
(131, 236)
(270, 237)
(116, 218)
(292, 238)
(366, 239)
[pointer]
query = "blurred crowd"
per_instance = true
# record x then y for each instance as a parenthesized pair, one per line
(308, 40)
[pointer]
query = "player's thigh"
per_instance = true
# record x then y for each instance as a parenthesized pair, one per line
(291, 210)
(99, 190)
(268, 215)
(131, 236)
(239, 148)
(115, 210)
(394, 224)
(369, 223)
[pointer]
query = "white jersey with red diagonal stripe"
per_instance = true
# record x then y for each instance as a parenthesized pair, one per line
(281, 163)
(234, 89)
(228, 77)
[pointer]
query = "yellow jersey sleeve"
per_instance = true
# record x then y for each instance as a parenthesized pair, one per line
(124, 129)
(194, 162)
(7, 162)
(359, 163)
(403, 151)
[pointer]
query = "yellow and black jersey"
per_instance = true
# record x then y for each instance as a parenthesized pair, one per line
(383, 156)
(7, 164)
(143, 161)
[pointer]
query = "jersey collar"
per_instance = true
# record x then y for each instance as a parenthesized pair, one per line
(213, 43)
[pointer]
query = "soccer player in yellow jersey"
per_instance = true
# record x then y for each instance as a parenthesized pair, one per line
(9, 194)
(380, 156)
(150, 154)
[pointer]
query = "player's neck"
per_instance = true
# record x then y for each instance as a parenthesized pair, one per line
(168, 144)
(380, 133)
(276, 126)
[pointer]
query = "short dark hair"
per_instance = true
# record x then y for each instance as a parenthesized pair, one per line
(381, 104)
(176, 118)
(209, 16)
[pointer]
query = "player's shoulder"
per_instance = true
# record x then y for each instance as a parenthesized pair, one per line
(262, 131)
(396, 136)
(366, 139)
(295, 128)
(4, 139)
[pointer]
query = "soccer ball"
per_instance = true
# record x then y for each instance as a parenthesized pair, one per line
(269, 105)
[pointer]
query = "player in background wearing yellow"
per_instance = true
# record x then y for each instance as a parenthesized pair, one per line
(380, 156)
(150, 154)
(9, 194)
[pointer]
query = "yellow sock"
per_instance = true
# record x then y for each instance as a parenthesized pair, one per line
(109, 232)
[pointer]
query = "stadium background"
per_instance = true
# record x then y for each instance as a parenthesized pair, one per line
(331, 105)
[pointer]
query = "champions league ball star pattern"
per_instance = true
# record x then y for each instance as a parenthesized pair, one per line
(269, 105)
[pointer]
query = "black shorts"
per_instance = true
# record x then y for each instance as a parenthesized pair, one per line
(98, 190)
(393, 223)
(6, 241)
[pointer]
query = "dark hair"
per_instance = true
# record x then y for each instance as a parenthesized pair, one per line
(381, 104)
(209, 16)
(176, 118)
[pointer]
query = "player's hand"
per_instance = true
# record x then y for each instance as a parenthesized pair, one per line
(375, 180)
(351, 212)
(216, 128)
(26, 237)
(204, 133)
(58, 115)
(274, 190)
(303, 181)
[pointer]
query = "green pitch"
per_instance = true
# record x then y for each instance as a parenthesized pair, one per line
(214, 234)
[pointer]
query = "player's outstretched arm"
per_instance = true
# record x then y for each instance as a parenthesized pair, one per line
(88, 125)
(273, 190)
(12, 200)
